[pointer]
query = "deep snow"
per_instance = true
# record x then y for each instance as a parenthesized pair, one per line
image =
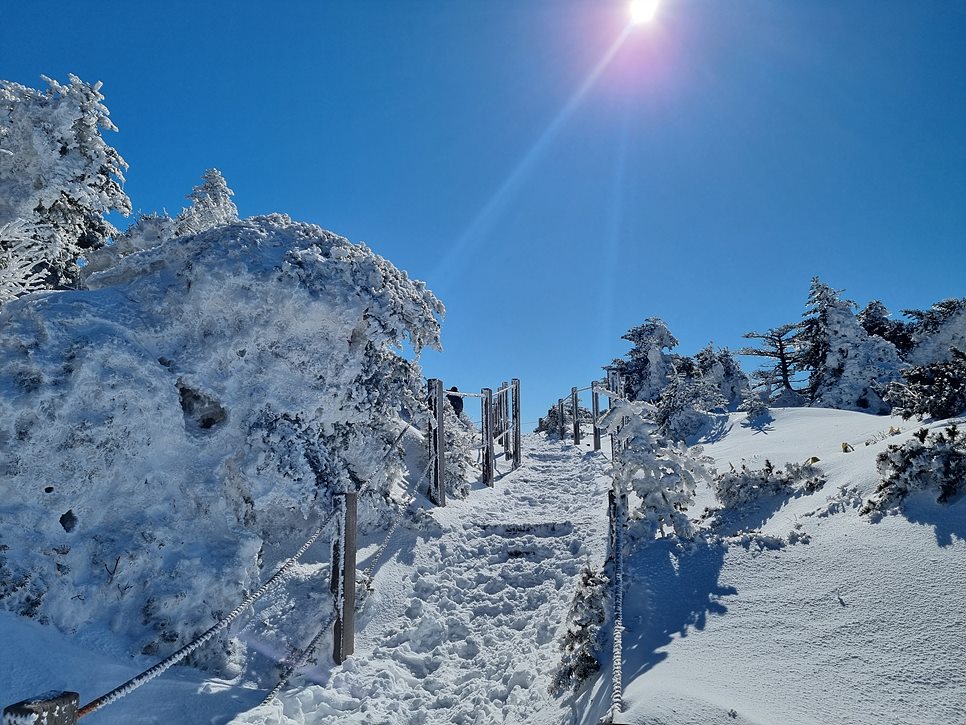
(861, 624)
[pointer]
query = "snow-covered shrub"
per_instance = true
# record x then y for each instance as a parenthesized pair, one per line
(462, 452)
(581, 643)
(755, 404)
(186, 422)
(738, 487)
(846, 365)
(211, 205)
(56, 171)
(551, 421)
(720, 369)
(662, 474)
(925, 462)
(685, 404)
(936, 390)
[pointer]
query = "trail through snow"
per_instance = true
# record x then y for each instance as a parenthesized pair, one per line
(462, 625)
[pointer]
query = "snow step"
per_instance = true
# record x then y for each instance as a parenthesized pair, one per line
(542, 529)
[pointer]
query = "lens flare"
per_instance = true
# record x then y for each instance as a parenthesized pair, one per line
(643, 11)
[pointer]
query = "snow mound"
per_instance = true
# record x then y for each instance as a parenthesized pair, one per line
(183, 423)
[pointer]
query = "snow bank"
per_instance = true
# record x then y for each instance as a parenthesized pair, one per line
(184, 422)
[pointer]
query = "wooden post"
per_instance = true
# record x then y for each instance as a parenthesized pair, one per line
(560, 419)
(574, 405)
(516, 424)
(437, 442)
(505, 420)
(595, 412)
(487, 427)
(57, 708)
(345, 621)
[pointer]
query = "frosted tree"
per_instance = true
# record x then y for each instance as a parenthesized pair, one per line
(721, 370)
(936, 390)
(687, 401)
(778, 346)
(876, 320)
(937, 330)
(648, 367)
(56, 171)
(22, 260)
(846, 365)
(581, 643)
(661, 473)
(211, 205)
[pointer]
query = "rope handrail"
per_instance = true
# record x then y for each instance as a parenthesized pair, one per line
(152, 672)
(617, 696)
(135, 682)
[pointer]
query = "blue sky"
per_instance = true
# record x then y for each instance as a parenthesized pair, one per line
(724, 154)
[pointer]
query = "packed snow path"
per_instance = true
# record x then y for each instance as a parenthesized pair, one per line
(462, 626)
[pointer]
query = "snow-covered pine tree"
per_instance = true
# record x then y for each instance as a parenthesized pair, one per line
(876, 320)
(778, 345)
(56, 171)
(22, 260)
(581, 642)
(687, 401)
(937, 330)
(648, 366)
(723, 371)
(936, 390)
(846, 365)
(663, 474)
(211, 205)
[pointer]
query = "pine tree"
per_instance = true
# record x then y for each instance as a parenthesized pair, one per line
(937, 330)
(779, 345)
(56, 172)
(581, 642)
(663, 474)
(211, 205)
(648, 367)
(846, 366)
(936, 390)
(875, 320)
(721, 369)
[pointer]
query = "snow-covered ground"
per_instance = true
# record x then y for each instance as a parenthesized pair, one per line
(856, 622)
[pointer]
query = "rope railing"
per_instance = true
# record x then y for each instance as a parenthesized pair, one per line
(135, 682)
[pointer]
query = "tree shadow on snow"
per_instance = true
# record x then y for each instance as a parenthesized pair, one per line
(759, 424)
(717, 428)
(753, 515)
(948, 520)
(669, 593)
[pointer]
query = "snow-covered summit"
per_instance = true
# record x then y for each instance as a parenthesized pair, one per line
(184, 421)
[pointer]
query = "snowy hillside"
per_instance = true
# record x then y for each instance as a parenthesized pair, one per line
(180, 426)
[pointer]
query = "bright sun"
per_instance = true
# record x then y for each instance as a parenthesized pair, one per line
(643, 11)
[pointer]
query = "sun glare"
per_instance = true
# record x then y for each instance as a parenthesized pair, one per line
(643, 11)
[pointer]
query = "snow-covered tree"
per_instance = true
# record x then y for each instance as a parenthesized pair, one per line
(936, 390)
(661, 473)
(738, 487)
(211, 205)
(937, 330)
(648, 366)
(720, 369)
(876, 320)
(550, 423)
(846, 365)
(22, 260)
(779, 346)
(56, 171)
(687, 401)
(581, 642)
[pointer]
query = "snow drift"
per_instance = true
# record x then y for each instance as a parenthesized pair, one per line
(182, 424)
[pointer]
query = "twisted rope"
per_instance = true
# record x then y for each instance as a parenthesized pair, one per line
(617, 696)
(135, 682)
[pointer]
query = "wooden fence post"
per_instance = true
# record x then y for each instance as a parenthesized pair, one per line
(437, 442)
(58, 708)
(560, 419)
(345, 621)
(505, 421)
(487, 426)
(575, 405)
(516, 424)
(595, 412)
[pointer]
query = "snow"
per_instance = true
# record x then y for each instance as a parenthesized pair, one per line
(750, 624)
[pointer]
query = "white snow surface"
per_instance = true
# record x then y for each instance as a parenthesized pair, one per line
(855, 622)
